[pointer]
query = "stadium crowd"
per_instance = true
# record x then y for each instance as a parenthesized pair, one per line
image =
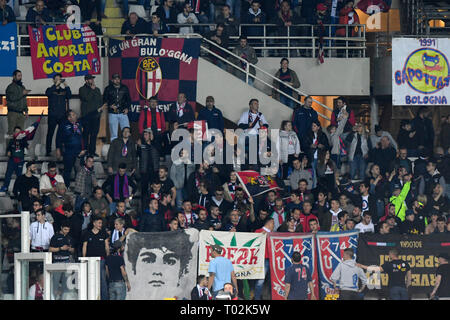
(338, 178)
(330, 179)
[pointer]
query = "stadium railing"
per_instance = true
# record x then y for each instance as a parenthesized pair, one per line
(357, 44)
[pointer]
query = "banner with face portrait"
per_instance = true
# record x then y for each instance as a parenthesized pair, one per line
(245, 250)
(161, 265)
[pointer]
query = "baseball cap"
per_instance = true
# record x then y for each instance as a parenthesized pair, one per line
(217, 248)
(89, 76)
(115, 75)
(397, 186)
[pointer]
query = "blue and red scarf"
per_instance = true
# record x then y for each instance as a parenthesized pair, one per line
(125, 190)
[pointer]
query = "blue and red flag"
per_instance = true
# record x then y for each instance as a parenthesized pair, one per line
(160, 67)
(281, 247)
(330, 248)
(29, 132)
(58, 49)
(256, 184)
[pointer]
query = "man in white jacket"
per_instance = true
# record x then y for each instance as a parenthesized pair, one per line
(186, 17)
(41, 232)
(348, 274)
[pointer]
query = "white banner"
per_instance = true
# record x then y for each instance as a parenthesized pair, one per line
(420, 71)
(245, 250)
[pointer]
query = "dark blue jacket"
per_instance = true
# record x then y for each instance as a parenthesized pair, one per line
(256, 30)
(152, 222)
(33, 14)
(302, 120)
(140, 27)
(214, 118)
(57, 101)
(70, 140)
(7, 14)
(188, 114)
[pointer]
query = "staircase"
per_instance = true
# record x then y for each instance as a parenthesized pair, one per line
(233, 95)
(113, 24)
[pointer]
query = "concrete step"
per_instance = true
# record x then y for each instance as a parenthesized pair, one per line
(112, 31)
(112, 23)
(113, 12)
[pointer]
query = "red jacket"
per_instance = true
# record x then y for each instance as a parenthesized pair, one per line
(347, 16)
(304, 221)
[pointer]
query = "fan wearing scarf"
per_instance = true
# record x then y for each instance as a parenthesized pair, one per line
(16, 152)
(118, 214)
(48, 181)
(120, 230)
(69, 139)
(122, 150)
(116, 187)
(85, 182)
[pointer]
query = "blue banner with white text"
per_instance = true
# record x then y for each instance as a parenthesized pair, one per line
(8, 52)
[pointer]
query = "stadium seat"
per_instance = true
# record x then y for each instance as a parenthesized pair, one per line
(99, 170)
(23, 13)
(3, 166)
(39, 152)
(6, 204)
(153, 9)
(105, 149)
(44, 167)
(11, 186)
(139, 10)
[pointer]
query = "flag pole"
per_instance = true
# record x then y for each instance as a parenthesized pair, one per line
(243, 184)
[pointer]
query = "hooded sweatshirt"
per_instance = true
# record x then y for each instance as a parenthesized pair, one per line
(347, 274)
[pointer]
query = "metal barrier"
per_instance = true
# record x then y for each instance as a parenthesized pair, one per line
(307, 35)
(206, 47)
(272, 40)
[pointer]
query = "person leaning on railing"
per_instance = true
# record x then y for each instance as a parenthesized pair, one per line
(247, 53)
(38, 14)
(6, 13)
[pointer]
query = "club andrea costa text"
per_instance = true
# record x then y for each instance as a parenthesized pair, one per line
(224, 309)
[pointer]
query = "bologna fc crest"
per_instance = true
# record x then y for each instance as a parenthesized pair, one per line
(37, 34)
(148, 77)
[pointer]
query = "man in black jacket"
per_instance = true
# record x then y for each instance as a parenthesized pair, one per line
(200, 291)
(152, 220)
(180, 112)
(134, 25)
(75, 221)
(91, 108)
(368, 201)
(423, 126)
(58, 105)
(168, 14)
(117, 97)
(6, 13)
